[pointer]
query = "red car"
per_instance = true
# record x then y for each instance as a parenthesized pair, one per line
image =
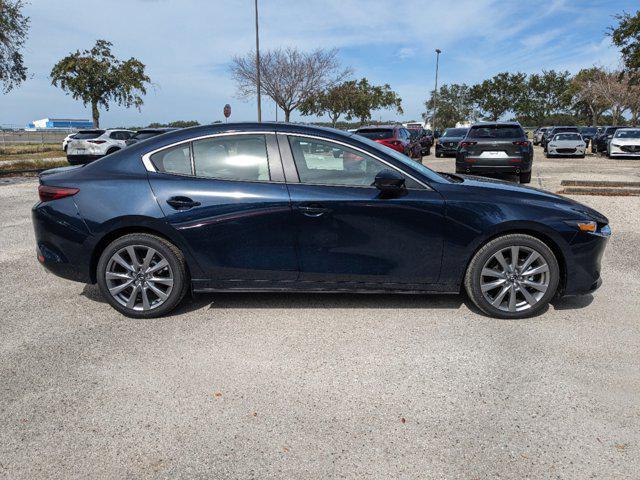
(392, 136)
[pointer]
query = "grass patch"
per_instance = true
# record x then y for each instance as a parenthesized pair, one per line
(25, 157)
(29, 148)
(32, 164)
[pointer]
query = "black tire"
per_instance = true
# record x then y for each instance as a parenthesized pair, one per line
(438, 154)
(473, 274)
(174, 258)
(525, 177)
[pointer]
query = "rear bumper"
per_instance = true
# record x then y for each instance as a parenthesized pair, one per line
(446, 150)
(506, 165)
(61, 237)
(82, 159)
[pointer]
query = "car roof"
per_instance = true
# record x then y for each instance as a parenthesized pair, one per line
(491, 124)
(374, 127)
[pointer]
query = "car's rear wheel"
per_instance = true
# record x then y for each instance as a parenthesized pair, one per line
(513, 276)
(525, 177)
(142, 275)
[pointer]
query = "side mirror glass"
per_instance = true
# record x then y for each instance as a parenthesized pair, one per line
(389, 182)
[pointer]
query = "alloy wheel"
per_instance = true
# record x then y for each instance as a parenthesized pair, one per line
(139, 277)
(515, 278)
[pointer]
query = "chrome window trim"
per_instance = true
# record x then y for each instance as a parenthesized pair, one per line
(146, 158)
(348, 145)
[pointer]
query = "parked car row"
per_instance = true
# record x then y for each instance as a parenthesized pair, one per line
(614, 141)
(414, 142)
(88, 145)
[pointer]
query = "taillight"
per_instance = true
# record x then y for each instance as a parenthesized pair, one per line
(47, 193)
(97, 142)
(467, 144)
(395, 142)
(521, 143)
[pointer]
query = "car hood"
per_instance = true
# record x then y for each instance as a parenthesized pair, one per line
(535, 194)
(567, 143)
(626, 141)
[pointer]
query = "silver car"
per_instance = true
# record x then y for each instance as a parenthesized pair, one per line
(566, 144)
(537, 135)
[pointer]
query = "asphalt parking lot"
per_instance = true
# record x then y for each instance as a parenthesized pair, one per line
(321, 386)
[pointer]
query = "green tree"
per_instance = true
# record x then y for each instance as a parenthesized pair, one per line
(453, 105)
(585, 96)
(543, 95)
(13, 33)
(98, 78)
(498, 95)
(626, 36)
(176, 124)
(334, 102)
(369, 97)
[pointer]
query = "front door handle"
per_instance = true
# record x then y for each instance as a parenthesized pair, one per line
(182, 203)
(313, 210)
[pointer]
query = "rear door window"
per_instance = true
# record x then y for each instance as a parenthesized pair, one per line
(175, 160)
(235, 157)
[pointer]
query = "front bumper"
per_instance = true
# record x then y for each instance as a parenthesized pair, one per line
(584, 266)
(566, 152)
(624, 151)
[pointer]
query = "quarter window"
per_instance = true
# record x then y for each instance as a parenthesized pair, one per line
(173, 160)
(328, 163)
(236, 157)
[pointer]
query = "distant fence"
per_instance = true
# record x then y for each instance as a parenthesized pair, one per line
(9, 137)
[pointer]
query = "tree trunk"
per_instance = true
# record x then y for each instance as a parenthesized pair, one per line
(334, 119)
(594, 116)
(95, 113)
(287, 114)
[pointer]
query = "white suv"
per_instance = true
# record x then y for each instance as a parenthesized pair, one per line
(89, 145)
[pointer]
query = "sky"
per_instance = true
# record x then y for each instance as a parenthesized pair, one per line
(187, 46)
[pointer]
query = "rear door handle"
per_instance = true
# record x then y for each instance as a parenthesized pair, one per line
(182, 203)
(313, 210)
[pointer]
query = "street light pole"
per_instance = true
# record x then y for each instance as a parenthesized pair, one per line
(435, 92)
(258, 65)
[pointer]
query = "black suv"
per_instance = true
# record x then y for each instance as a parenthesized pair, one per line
(496, 148)
(602, 139)
(448, 142)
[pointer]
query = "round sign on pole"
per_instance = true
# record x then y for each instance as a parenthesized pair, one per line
(227, 111)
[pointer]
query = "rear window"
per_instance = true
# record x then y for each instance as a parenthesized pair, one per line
(588, 131)
(88, 134)
(376, 133)
(145, 135)
(415, 134)
(496, 131)
(455, 132)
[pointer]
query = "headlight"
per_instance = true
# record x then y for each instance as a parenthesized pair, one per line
(591, 227)
(615, 145)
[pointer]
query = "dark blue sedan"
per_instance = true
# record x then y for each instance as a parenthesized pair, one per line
(281, 207)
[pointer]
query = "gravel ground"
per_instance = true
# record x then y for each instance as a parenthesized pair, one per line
(320, 386)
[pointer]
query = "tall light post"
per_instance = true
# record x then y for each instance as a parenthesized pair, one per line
(258, 64)
(435, 92)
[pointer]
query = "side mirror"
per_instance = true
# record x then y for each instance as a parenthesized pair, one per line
(389, 182)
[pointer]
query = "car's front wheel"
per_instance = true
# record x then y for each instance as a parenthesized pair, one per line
(142, 275)
(512, 276)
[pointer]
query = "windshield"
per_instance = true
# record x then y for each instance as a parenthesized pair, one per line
(635, 133)
(495, 131)
(455, 132)
(376, 133)
(414, 133)
(567, 136)
(88, 134)
(412, 164)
